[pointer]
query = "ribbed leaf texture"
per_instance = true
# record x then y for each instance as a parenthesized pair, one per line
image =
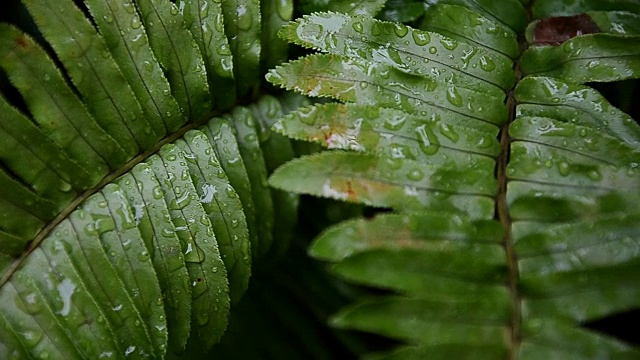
(136, 140)
(513, 185)
(133, 199)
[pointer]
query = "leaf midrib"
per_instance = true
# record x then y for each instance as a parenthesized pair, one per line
(75, 203)
(502, 209)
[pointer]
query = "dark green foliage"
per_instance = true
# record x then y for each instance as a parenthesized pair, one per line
(139, 140)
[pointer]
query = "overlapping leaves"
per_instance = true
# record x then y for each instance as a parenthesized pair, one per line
(125, 228)
(489, 258)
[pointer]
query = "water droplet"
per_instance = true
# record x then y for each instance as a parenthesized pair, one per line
(31, 303)
(148, 66)
(594, 175)
(447, 131)
(157, 192)
(357, 26)
(167, 232)
(564, 168)
(231, 192)
(421, 38)
(234, 223)
(395, 123)
(143, 256)
(487, 64)
(400, 29)
(129, 350)
(181, 202)
(174, 9)
(245, 17)
(128, 7)
(415, 175)
(454, 96)
(429, 142)
(64, 186)
(135, 22)
(449, 44)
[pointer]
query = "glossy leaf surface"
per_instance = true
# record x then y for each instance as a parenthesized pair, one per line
(499, 189)
(557, 248)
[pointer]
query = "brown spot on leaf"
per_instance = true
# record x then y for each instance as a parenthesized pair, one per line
(352, 194)
(327, 136)
(21, 41)
(556, 30)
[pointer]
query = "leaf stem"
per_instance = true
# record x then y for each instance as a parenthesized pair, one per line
(502, 213)
(42, 234)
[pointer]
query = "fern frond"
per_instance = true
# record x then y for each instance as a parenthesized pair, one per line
(124, 230)
(517, 220)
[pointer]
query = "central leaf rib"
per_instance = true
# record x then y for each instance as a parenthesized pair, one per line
(502, 212)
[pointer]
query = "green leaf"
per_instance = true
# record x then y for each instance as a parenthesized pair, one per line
(616, 22)
(420, 231)
(276, 150)
(57, 110)
(463, 24)
(454, 184)
(125, 36)
(103, 87)
(275, 14)
(395, 317)
(359, 7)
(390, 132)
(551, 98)
(557, 249)
(249, 147)
(370, 83)
(144, 194)
(510, 12)
(405, 49)
(587, 58)
(224, 210)
(207, 274)
(558, 339)
(242, 26)
(205, 21)
(225, 145)
(43, 165)
(179, 55)
(548, 8)
(129, 227)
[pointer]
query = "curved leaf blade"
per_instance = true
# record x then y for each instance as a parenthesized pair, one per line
(225, 211)
(385, 131)
(178, 54)
(370, 83)
(127, 40)
(57, 110)
(593, 57)
(94, 73)
(205, 21)
(242, 24)
(446, 184)
(404, 48)
(465, 25)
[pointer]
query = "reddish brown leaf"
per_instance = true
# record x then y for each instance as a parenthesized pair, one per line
(556, 30)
